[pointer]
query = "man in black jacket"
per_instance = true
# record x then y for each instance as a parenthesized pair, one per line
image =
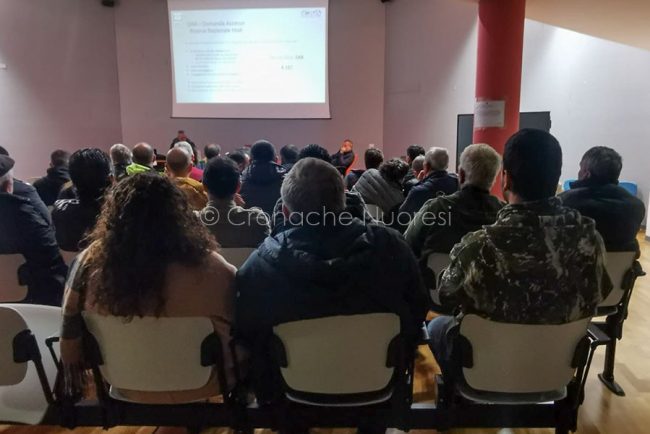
(50, 186)
(24, 231)
(596, 194)
(436, 181)
(261, 180)
(443, 221)
(327, 264)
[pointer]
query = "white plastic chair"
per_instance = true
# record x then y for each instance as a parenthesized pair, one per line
(519, 363)
(22, 397)
(236, 255)
(10, 289)
(337, 356)
(617, 264)
(375, 212)
(151, 354)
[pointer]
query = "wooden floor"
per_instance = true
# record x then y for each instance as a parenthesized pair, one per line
(602, 412)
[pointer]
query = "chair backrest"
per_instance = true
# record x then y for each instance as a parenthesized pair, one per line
(567, 184)
(437, 262)
(25, 402)
(151, 354)
(520, 358)
(237, 255)
(631, 187)
(617, 264)
(375, 212)
(11, 324)
(339, 354)
(10, 289)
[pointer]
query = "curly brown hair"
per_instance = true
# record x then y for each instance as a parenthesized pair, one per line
(145, 225)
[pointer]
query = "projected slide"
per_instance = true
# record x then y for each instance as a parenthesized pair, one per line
(249, 61)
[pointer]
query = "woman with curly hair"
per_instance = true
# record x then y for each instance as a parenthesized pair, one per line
(148, 256)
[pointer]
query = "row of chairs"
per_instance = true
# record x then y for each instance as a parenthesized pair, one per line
(339, 371)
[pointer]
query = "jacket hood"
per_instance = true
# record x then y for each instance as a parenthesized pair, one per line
(322, 256)
(263, 173)
(60, 173)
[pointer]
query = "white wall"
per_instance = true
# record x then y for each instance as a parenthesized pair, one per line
(597, 91)
(60, 87)
(356, 53)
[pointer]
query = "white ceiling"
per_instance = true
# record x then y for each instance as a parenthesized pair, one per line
(624, 21)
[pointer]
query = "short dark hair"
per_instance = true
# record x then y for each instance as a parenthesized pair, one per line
(3, 151)
(212, 150)
(373, 158)
(221, 177)
(59, 158)
(238, 157)
(289, 154)
(413, 151)
(604, 164)
(262, 151)
(315, 151)
(90, 171)
(394, 170)
(533, 159)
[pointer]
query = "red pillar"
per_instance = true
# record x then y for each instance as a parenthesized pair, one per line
(498, 73)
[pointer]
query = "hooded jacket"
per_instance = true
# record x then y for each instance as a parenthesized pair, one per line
(261, 183)
(23, 230)
(617, 213)
(310, 272)
(376, 190)
(540, 263)
(49, 187)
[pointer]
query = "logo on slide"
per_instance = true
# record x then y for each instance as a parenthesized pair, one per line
(311, 13)
(177, 16)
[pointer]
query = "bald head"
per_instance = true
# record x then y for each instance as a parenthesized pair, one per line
(143, 154)
(179, 162)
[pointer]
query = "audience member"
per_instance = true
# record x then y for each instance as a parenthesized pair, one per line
(145, 219)
(27, 191)
(373, 158)
(49, 186)
(413, 152)
(90, 170)
(195, 173)
(179, 166)
(231, 224)
(325, 266)
(444, 220)
(596, 194)
(240, 159)
(435, 182)
(540, 263)
(383, 187)
(288, 156)
(411, 178)
(345, 157)
(211, 151)
(182, 137)
(354, 203)
(121, 158)
(24, 231)
(143, 159)
(261, 181)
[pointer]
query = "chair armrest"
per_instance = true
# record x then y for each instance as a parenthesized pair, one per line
(50, 346)
(597, 336)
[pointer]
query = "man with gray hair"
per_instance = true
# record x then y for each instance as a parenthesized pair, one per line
(328, 263)
(443, 221)
(24, 231)
(196, 173)
(121, 158)
(411, 180)
(435, 181)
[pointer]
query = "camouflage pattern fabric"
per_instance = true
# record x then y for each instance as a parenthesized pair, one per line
(540, 263)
